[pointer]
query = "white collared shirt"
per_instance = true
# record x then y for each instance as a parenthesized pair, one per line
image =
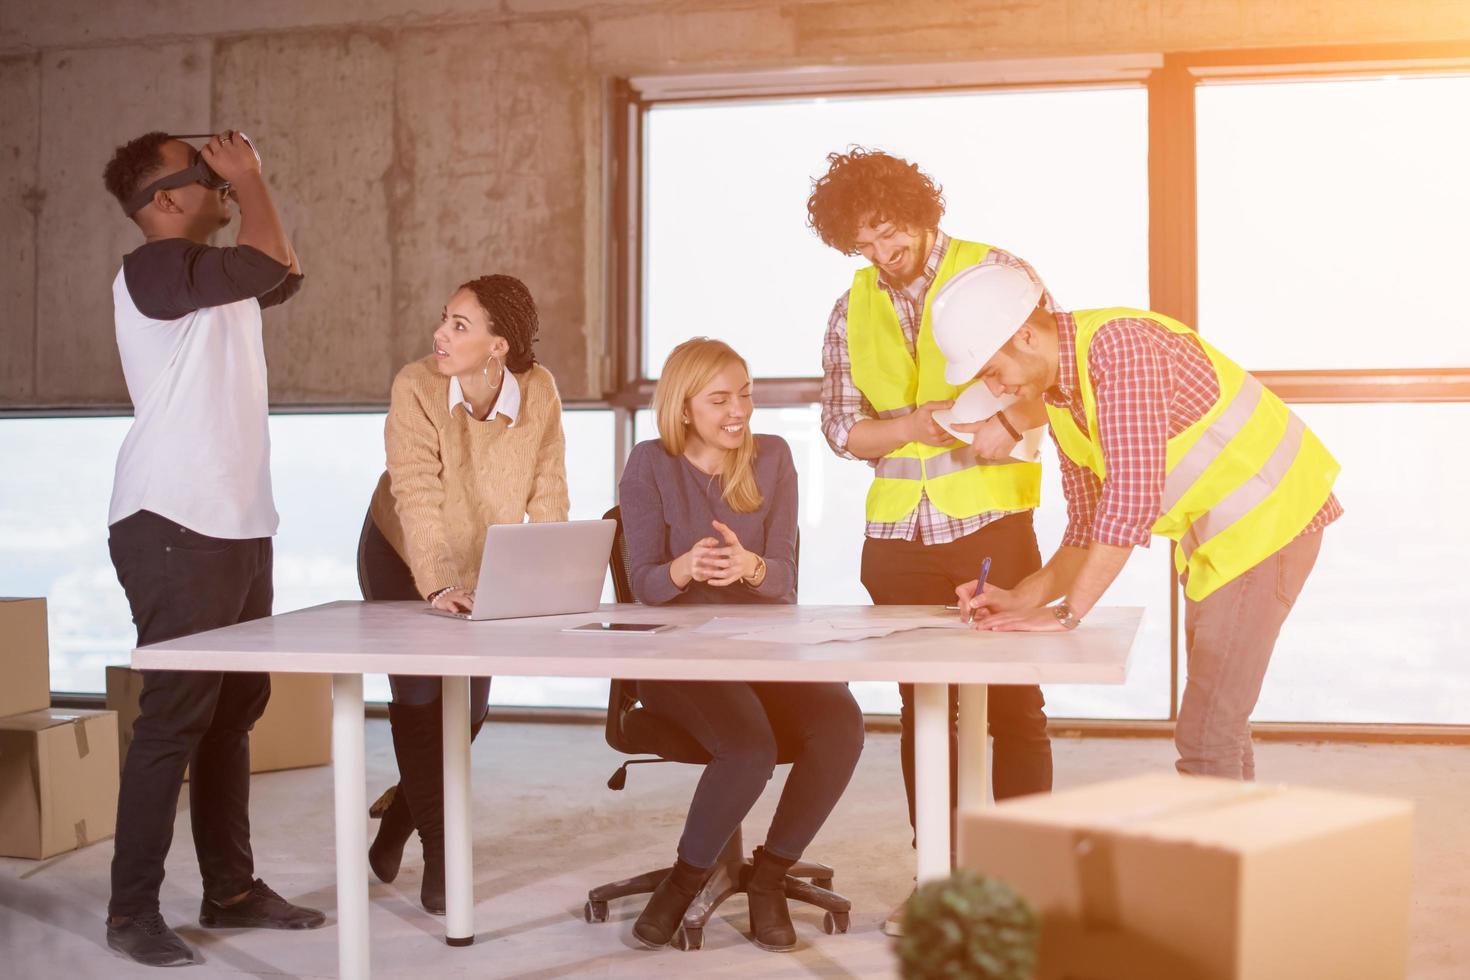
(508, 404)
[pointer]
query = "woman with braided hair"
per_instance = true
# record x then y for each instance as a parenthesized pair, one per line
(473, 438)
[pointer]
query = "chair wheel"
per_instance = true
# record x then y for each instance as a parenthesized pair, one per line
(823, 883)
(834, 922)
(595, 911)
(689, 939)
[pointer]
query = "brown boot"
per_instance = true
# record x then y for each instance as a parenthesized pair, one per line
(395, 827)
(660, 918)
(770, 919)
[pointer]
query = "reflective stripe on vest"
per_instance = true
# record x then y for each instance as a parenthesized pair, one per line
(933, 467)
(1240, 483)
(895, 383)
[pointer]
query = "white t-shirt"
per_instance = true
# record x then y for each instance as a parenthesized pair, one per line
(198, 451)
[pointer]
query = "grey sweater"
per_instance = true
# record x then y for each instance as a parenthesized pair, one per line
(668, 503)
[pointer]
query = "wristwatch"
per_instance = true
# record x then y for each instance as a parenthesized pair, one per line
(1065, 616)
(755, 578)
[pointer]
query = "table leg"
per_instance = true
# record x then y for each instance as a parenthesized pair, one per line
(931, 779)
(459, 887)
(974, 738)
(349, 780)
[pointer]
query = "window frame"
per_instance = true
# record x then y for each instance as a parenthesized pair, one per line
(1171, 81)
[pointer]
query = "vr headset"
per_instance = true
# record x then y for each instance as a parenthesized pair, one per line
(197, 172)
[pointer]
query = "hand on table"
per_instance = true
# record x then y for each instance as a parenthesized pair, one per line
(455, 600)
(1035, 620)
(991, 601)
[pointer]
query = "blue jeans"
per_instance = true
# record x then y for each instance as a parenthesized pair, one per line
(1230, 635)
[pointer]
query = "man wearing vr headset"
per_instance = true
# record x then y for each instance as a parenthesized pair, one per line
(191, 520)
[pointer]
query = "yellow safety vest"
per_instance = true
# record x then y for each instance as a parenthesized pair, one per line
(1240, 483)
(895, 384)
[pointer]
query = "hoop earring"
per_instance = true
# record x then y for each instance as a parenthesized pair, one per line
(486, 373)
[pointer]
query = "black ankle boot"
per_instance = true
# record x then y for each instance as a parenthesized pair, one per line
(418, 743)
(770, 920)
(395, 827)
(660, 918)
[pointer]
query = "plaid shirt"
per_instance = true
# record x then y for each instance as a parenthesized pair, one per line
(1151, 384)
(843, 404)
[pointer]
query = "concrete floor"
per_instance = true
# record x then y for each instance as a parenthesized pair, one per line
(548, 828)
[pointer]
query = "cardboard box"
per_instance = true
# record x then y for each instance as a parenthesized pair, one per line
(295, 731)
(1167, 877)
(58, 781)
(25, 668)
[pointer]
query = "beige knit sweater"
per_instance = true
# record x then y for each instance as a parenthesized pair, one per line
(450, 477)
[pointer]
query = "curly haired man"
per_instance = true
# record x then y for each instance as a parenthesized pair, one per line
(936, 508)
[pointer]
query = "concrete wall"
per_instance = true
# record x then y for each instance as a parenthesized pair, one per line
(412, 146)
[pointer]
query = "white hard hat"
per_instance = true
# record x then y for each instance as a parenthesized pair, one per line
(976, 312)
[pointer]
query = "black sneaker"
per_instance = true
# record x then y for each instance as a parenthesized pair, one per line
(261, 909)
(147, 939)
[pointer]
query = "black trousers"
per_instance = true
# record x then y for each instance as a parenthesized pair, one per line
(383, 574)
(180, 582)
(747, 728)
(910, 573)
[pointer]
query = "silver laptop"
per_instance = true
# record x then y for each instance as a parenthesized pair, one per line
(550, 569)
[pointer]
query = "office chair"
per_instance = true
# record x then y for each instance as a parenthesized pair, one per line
(634, 730)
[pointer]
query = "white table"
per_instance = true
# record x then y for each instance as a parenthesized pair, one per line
(349, 639)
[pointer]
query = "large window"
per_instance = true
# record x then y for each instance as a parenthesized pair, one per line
(1058, 177)
(1307, 221)
(1331, 235)
(1332, 219)
(53, 529)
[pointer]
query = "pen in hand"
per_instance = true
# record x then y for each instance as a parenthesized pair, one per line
(979, 590)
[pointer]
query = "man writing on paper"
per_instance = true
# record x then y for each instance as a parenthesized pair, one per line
(936, 508)
(1158, 433)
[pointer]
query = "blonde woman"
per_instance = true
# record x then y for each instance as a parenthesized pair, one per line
(709, 513)
(473, 438)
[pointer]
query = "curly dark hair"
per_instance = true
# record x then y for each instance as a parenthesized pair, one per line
(132, 162)
(863, 182)
(512, 312)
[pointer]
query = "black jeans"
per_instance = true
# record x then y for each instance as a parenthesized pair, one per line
(746, 728)
(910, 573)
(180, 582)
(383, 574)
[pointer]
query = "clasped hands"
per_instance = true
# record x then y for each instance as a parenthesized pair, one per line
(719, 562)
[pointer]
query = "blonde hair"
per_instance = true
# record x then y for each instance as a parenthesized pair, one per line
(691, 366)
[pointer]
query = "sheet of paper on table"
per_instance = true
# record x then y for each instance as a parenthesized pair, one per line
(837, 629)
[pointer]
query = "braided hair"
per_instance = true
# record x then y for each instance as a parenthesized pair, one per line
(512, 312)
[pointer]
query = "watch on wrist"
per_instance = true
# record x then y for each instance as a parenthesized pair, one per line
(1065, 616)
(1005, 423)
(759, 575)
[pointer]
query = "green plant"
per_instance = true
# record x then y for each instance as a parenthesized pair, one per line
(968, 926)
